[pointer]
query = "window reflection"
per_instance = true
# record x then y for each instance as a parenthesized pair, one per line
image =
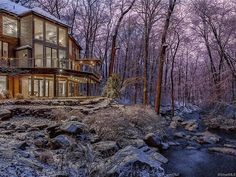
(9, 27)
(62, 37)
(51, 33)
(38, 30)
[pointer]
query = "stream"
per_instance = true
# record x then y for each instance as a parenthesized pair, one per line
(198, 161)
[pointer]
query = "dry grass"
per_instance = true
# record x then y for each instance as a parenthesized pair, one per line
(130, 122)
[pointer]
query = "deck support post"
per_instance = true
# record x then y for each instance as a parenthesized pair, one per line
(54, 85)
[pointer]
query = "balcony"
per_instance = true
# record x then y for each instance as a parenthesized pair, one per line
(83, 65)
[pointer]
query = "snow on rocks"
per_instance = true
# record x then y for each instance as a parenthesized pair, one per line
(224, 150)
(48, 139)
(5, 114)
(131, 161)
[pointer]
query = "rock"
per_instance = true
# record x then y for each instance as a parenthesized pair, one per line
(44, 156)
(40, 127)
(61, 141)
(190, 125)
(131, 161)
(180, 134)
(153, 140)
(177, 119)
(171, 143)
(30, 163)
(53, 130)
(224, 150)
(37, 135)
(174, 124)
(5, 114)
(23, 146)
(73, 127)
(165, 146)
(41, 143)
(154, 154)
(106, 148)
(207, 137)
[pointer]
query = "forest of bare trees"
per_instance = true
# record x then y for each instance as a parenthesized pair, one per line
(182, 51)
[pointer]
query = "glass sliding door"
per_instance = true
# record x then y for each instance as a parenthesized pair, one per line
(61, 88)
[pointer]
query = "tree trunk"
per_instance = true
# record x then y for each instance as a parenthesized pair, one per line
(162, 56)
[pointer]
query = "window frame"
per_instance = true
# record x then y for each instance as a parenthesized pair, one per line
(14, 34)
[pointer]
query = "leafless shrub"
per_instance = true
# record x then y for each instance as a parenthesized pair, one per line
(6, 94)
(20, 96)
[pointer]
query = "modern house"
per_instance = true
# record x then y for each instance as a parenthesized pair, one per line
(38, 56)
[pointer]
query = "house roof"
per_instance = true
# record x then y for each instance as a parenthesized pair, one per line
(20, 10)
(12, 7)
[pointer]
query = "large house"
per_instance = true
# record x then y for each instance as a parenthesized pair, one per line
(38, 56)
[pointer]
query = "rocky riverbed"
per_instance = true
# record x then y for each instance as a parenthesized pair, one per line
(101, 138)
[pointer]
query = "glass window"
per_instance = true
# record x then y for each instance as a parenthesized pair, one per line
(9, 27)
(3, 83)
(38, 29)
(38, 55)
(62, 58)
(51, 57)
(62, 37)
(51, 33)
(5, 50)
(54, 58)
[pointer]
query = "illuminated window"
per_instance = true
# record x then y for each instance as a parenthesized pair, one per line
(3, 83)
(51, 57)
(38, 29)
(62, 37)
(38, 55)
(51, 33)
(9, 27)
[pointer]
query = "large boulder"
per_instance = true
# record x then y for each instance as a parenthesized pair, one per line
(73, 127)
(153, 140)
(131, 161)
(61, 141)
(5, 114)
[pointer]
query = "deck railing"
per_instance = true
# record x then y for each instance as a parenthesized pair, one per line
(43, 63)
